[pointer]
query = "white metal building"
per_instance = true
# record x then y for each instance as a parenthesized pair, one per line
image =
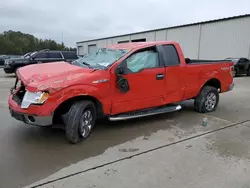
(214, 39)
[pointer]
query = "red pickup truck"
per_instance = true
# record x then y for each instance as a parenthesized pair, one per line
(120, 81)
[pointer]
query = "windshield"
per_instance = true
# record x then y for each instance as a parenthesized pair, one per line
(102, 59)
(29, 54)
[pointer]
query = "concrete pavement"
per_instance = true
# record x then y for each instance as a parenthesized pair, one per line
(32, 156)
(220, 159)
(171, 155)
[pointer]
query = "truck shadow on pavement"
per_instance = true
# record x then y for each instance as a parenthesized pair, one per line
(47, 150)
(7, 76)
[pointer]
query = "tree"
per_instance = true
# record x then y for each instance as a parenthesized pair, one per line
(18, 43)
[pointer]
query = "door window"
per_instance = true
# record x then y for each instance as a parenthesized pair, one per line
(170, 55)
(244, 60)
(141, 60)
(70, 55)
(55, 55)
(41, 55)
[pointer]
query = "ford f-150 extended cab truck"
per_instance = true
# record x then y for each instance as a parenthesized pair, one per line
(120, 81)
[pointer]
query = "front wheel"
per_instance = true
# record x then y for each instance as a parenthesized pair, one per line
(80, 121)
(15, 71)
(207, 100)
(248, 72)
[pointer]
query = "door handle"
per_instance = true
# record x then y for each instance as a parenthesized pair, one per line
(160, 76)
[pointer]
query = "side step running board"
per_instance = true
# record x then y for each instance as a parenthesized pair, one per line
(143, 113)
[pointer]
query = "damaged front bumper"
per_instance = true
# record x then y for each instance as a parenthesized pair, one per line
(34, 114)
(31, 115)
(31, 119)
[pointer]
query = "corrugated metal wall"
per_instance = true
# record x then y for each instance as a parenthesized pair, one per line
(214, 40)
(188, 37)
(229, 38)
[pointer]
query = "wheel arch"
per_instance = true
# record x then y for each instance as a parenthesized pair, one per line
(214, 82)
(65, 106)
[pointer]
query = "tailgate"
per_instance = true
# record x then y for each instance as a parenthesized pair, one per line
(227, 70)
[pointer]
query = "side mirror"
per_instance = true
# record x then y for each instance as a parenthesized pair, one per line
(119, 70)
(121, 82)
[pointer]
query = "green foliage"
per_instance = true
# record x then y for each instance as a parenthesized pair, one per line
(18, 43)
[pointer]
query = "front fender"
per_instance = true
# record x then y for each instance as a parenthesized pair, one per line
(99, 92)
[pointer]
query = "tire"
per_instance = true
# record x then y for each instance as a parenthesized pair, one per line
(15, 71)
(74, 119)
(207, 100)
(248, 72)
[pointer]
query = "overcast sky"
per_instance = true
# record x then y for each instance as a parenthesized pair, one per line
(86, 19)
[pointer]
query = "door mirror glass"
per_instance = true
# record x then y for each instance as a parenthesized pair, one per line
(122, 83)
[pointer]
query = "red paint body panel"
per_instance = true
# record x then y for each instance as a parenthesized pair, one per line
(65, 81)
(145, 92)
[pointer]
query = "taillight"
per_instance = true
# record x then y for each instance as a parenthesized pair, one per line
(232, 71)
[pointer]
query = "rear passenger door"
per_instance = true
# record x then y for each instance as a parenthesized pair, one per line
(174, 86)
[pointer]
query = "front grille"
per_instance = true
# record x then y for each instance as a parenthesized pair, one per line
(20, 92)
(17, 116)
(17, 99)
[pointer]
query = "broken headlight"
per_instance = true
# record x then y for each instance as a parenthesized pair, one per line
(34, 98)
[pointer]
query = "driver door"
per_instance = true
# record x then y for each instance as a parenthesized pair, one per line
(146, 80)
(40, 57)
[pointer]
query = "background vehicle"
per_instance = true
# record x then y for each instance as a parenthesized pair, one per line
(121, 82)
(241, 66)
(6, 57)
(43, 56)
(27, 54)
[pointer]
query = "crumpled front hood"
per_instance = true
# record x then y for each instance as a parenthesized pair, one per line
(51, 76)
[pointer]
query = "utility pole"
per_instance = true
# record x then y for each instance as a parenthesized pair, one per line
(62, 39)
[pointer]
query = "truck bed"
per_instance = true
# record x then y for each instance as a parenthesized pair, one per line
(203, 61)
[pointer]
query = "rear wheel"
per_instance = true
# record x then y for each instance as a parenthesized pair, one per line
(207, 100)
(79, 121)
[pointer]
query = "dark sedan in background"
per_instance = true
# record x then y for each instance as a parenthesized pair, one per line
(42, 56)
(241, 66)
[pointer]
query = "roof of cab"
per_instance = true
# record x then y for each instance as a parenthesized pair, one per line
(136, 45)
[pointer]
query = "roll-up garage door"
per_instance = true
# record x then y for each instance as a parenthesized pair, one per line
(92, 48)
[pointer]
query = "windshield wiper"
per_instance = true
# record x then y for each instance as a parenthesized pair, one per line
(87, 64)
